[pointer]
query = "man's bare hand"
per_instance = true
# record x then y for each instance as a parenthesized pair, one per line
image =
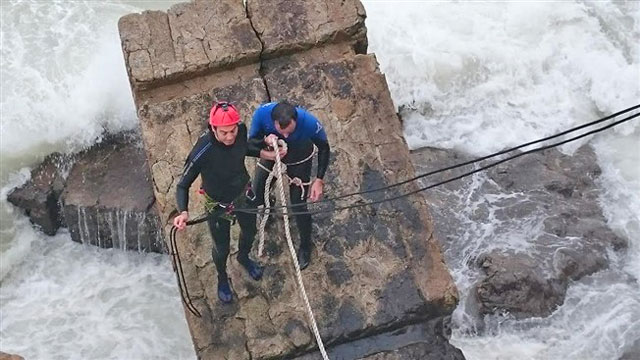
(269, 139)
(316, 190)
(283, 151)
(180, 221)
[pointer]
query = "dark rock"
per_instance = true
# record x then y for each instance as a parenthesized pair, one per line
(633, 352)
(550, 198)
(426, 340)
(39, 197)
(515, 285)
(338, 272)
(398, 298)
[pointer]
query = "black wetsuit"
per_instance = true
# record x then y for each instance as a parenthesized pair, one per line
(225, 180)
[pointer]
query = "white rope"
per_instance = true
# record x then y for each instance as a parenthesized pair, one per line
(267, 190)
(267, 205)
(287, 232)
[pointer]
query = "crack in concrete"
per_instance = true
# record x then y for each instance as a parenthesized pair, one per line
(261, 70)
(186, 123)
(173, 39)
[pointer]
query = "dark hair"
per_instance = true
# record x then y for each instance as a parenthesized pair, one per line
(283, 113)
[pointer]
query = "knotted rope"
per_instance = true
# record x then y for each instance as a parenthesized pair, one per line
(267, 190)
(314, 326)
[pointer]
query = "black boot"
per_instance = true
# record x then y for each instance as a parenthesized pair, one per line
(224, 290)
(304, 257)
(253, 268)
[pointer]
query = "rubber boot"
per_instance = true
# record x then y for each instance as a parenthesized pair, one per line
(253, 268)
(304, 257)
(224, 290)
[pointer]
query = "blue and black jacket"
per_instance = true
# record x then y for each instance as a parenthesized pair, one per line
(308, 128)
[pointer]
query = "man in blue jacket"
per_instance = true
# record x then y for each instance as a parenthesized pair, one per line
(300, 130)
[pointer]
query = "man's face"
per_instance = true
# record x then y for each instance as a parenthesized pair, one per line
(226, 134)
(286, 131)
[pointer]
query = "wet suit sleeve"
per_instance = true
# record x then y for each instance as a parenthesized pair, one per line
(254, 145)
(319, 137)
(189, 174)
(323, 156)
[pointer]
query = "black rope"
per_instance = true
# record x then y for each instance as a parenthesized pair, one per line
(177, 268)
(177, 263)
(451, 179)
(502, 152)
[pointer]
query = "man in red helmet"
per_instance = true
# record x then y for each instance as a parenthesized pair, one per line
(218, 157)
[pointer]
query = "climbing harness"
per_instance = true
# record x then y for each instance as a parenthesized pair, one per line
(211, 206)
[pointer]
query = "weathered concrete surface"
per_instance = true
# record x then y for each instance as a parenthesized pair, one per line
(286, 27)
(547, 227)
(40, 196)
(374, 269)
(188, 40)
(108, 198)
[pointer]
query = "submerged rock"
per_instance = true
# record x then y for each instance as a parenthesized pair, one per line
(40, 196)
(374, 269)
(543, 213)
(103, 195)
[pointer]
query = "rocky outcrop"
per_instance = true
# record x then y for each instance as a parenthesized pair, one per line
(39, 197)
(103, 195)
(375, 269)
(547, 226)
(5, 356)
(108, 198)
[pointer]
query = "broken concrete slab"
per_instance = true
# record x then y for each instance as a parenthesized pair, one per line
(108, 198)
(187, 41)
(285, 27)
(374, 269)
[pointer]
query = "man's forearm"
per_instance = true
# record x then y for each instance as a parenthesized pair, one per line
(182, 198)
(324, 152)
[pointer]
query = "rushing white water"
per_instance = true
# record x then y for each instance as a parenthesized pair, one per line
(471, 76)
(63, 85)
(479, 77)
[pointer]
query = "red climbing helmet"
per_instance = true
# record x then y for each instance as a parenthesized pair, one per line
(223, 114)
